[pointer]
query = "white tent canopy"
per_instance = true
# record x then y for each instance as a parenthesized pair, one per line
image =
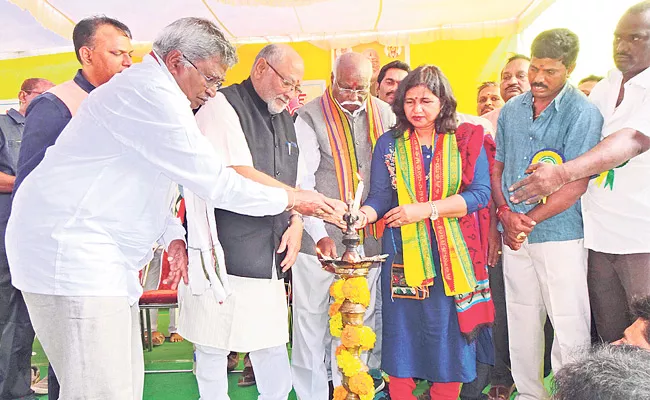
(45, 26)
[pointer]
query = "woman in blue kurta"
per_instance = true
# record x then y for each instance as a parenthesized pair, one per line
(431, 309)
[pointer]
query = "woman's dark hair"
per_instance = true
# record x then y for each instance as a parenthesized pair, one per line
(433, 79)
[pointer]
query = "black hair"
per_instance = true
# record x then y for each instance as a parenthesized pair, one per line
(640, 308)
(590, 78)
(433, 79)
(558, 44)
(84, 32)
(397, 64)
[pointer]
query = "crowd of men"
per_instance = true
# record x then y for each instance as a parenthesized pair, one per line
(90, 169)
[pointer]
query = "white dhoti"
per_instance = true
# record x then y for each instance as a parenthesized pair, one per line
(93, 344)
(253, 319)
(540, 279)
(312, 342)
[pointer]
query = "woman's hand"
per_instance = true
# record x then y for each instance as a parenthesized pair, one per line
(407, 214)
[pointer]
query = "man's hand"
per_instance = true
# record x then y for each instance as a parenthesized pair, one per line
(327, 247)
(312, 203)
(291, 240)
(544, 179)
(494, 246)
(407, 214)
(516, 228)
(177, 257)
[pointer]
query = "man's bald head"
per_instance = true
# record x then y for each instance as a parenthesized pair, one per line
(353, 65)
(351, 80)
(276, 75)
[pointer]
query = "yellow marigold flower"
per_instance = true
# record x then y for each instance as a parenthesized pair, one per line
(334, 308)
(336, 291)
(336, 325)
(340, 393)
(367, 338)
(356, 290)
(362, 384)
(340, 349)
(349, 365)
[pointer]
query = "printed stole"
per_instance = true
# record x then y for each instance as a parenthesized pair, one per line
(462, 242)
(339, 132)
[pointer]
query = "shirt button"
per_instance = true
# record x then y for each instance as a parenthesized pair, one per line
(356, 142)
(277, 173)
(525, 158)
(531, 138)
(519, 177)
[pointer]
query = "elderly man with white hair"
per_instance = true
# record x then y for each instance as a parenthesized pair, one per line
(84, 221)
(336, 133)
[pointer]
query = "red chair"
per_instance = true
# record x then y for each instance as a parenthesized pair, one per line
(162, 296)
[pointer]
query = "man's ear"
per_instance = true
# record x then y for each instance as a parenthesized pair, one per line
(85, 54)
(174, 61)
(571, 68)
(22, 97)
(259, 67)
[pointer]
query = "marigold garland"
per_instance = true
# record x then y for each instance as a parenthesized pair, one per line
(348, 364)
(340, 393)
(334, 308)
(353, 336)
(362, 384)
(336, 291)
(356, 290)
(336, 325)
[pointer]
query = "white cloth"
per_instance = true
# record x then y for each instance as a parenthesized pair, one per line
(310, 150)
(83, 222)
(617, 221)
(93, 344)
(235, 317)
(488, 127)
(271, 366)
(540, 279)
(311, 337)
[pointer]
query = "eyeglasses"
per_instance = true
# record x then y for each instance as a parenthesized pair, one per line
(209, 82)
(286, 84)
(359, 92)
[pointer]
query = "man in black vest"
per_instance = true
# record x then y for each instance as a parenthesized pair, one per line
(248, 124)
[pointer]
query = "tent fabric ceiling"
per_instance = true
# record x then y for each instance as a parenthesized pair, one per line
(41, 26)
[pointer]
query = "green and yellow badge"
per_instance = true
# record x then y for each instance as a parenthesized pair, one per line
(550, 156)
(607, 177)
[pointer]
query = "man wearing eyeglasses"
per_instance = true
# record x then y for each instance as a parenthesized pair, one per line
(15, 352)
(335, 132)
(248, 125)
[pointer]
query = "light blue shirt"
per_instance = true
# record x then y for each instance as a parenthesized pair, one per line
(570, 126)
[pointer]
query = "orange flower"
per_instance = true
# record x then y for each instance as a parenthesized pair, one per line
(334, 308)
(340, 393)
(356, 290)
(362, 384)
(340, 349)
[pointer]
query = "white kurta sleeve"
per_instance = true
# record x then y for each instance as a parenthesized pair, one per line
(219, 122)
(156, 121)
(173, 231)
(310, 152)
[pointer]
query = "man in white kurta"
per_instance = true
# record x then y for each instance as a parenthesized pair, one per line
(84, 221)
(249, 127)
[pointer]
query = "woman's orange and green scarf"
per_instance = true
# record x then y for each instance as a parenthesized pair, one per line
(341, 141)
(446, 178)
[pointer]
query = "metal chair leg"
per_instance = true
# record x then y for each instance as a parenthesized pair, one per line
(150, 339)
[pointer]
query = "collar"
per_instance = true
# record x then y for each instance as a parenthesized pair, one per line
(82, 82)
(527, 98)
(642, 79)
(18, 118)
(261, 104)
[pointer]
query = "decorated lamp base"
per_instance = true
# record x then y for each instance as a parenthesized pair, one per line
(351, 298)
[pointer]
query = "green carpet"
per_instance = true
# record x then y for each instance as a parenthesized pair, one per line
(176, 386)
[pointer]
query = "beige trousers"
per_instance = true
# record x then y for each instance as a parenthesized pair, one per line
(93, 344)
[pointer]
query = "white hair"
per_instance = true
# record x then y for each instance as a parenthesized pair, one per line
(197, 39)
